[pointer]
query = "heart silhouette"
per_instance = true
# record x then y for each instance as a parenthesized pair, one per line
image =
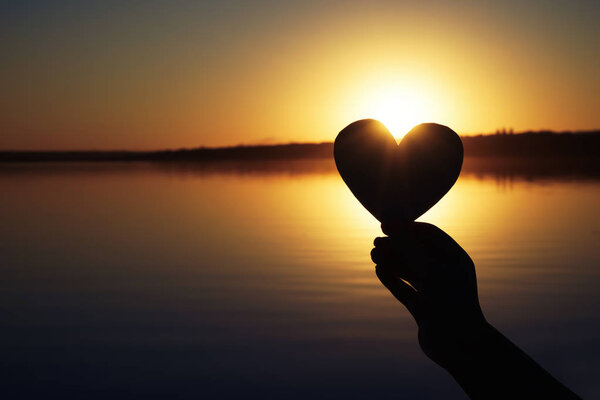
(398, 182)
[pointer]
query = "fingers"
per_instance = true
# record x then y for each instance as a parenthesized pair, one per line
(404, 259)
(401, 290)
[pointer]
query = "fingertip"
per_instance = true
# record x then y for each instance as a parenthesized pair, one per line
(379, 241)
(375, 255)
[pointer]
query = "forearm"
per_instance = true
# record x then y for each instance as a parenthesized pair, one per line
(489, 366)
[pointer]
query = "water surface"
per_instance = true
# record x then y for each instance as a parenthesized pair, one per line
(123, 280)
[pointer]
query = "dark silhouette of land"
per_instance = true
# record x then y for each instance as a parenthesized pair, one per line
(541, 144)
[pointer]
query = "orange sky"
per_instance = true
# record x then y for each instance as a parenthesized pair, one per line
(113, 75)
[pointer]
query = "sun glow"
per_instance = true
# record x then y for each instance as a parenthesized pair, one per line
(399, 110)
(399, 104)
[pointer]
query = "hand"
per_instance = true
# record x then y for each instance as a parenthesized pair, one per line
(428, 272)
(434, 278)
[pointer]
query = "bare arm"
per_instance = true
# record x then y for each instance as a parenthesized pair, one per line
(428, 272)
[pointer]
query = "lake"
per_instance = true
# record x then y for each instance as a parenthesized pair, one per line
(228, 280)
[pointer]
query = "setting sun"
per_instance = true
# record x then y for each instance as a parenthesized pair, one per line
(398, 105)
(399, 112)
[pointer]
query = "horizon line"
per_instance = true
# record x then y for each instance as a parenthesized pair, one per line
(291, 143)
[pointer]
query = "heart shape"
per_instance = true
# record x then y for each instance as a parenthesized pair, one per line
(398, 182)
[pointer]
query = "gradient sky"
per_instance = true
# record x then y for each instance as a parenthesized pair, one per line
(170, 74)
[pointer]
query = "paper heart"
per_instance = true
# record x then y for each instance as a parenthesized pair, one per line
(398, 182)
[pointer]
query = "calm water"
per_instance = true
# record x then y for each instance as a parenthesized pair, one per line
(232, 280)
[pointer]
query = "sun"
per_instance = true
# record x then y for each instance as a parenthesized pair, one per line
(400, 104)
(398, 114)
(398, 110)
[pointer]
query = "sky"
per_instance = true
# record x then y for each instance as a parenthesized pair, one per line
(145, 75)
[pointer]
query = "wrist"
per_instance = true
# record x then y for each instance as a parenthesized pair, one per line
(456, 343)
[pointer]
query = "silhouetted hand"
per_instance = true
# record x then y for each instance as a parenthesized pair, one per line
(428, 272)
(442, 295)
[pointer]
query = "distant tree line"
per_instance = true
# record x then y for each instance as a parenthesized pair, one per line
(533, 144)
(502, 144)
